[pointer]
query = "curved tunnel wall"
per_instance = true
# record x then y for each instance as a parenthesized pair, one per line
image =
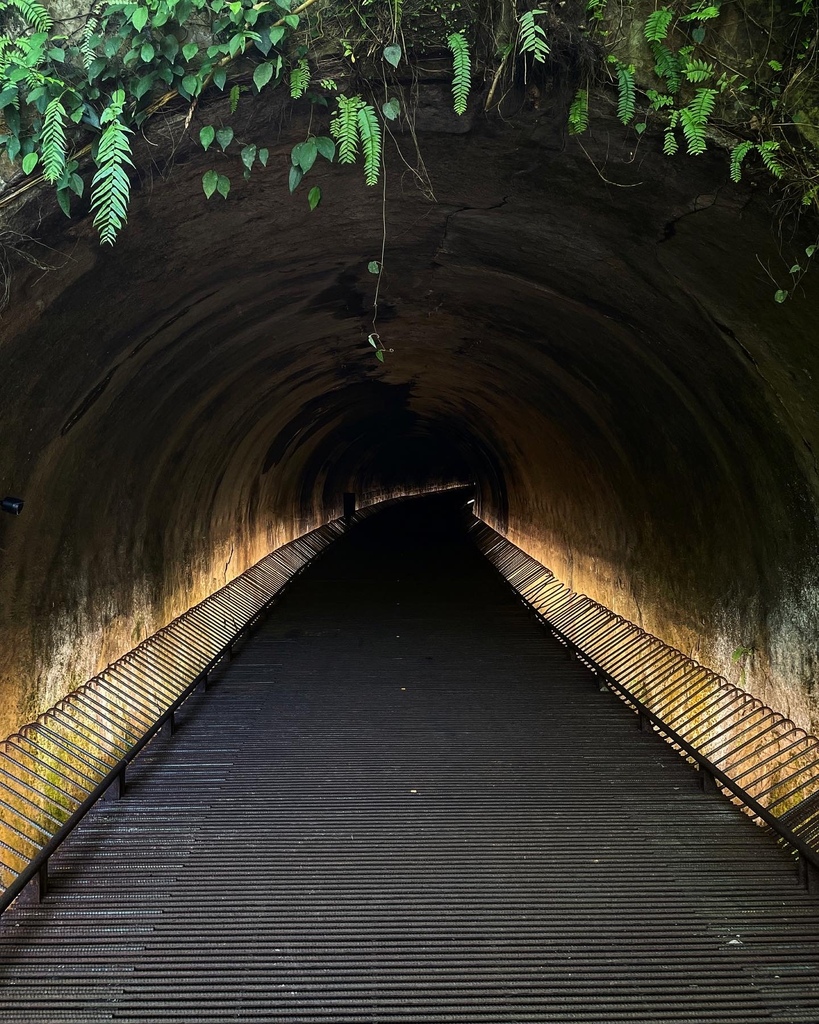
(606, 363)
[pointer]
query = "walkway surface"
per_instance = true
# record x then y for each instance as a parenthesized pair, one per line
(401, 803)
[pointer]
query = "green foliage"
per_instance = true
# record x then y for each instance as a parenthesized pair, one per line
(344, 128)
(703, 12)
(110, 186)
(356, 125)
(738, 154)
(462, 65)
(670, 144)
(532, 38)
(667, 65)
(579, 112)
(657, 25)
(392, 55)
(626, 90)
(370, 131)
(768, 150)
(391, 109)
(694, 118)
(698, 70)
(32, 13)
(53, 143)
(57, 93)
(299, 79)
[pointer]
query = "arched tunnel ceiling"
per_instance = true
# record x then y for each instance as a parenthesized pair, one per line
(605, 360)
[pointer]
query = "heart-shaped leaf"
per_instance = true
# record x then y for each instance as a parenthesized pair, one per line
(210, 180)
(248, 155)
(296, 174)
(314, 197)
(223, 185)
(391, 109)
(304, 154)
(206, 136)
(374, 267)
(262, 75)
(224, 136)
(326, 146)
(392, 55)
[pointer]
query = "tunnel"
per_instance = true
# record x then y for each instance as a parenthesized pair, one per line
(597, 353)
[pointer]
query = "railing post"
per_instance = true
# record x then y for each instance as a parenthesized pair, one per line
(808, 875)
(349, 507)
(709, 783)
(643, 722)
(42, 881)
(121, 783)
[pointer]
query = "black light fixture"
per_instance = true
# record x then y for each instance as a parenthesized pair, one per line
(14, 506)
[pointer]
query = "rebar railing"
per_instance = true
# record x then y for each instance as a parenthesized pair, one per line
(756, 755)
(53, 770)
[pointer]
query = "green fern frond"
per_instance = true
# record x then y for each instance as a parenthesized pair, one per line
(702, 106)
(299, 79)
(34, 14)
(110, 186)
(698, 70)
(579, 112)
(86, 49)
(767, 151)
(657, 25)
(738, 154)
(809, 196)
(462, 71)
(53, 143)
(369, 131)
(533, 37)
(704, 12)
(659, 100)
(626, 92)
(667, 66)
(344, 128)
(694, 118)
(670, 145)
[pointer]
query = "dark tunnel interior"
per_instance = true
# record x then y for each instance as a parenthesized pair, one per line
(605, 365)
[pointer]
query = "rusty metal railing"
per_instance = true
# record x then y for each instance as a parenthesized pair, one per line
(53, 770)
(757, 756)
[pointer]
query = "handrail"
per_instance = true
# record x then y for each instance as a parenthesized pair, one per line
(96, 731)
(74, 752)
(690, 705)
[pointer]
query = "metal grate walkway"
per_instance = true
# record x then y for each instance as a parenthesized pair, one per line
(402, 803)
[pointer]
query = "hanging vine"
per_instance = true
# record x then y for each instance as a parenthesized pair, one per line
(72, 101)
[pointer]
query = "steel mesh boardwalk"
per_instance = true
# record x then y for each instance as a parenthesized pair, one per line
(402, 803)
